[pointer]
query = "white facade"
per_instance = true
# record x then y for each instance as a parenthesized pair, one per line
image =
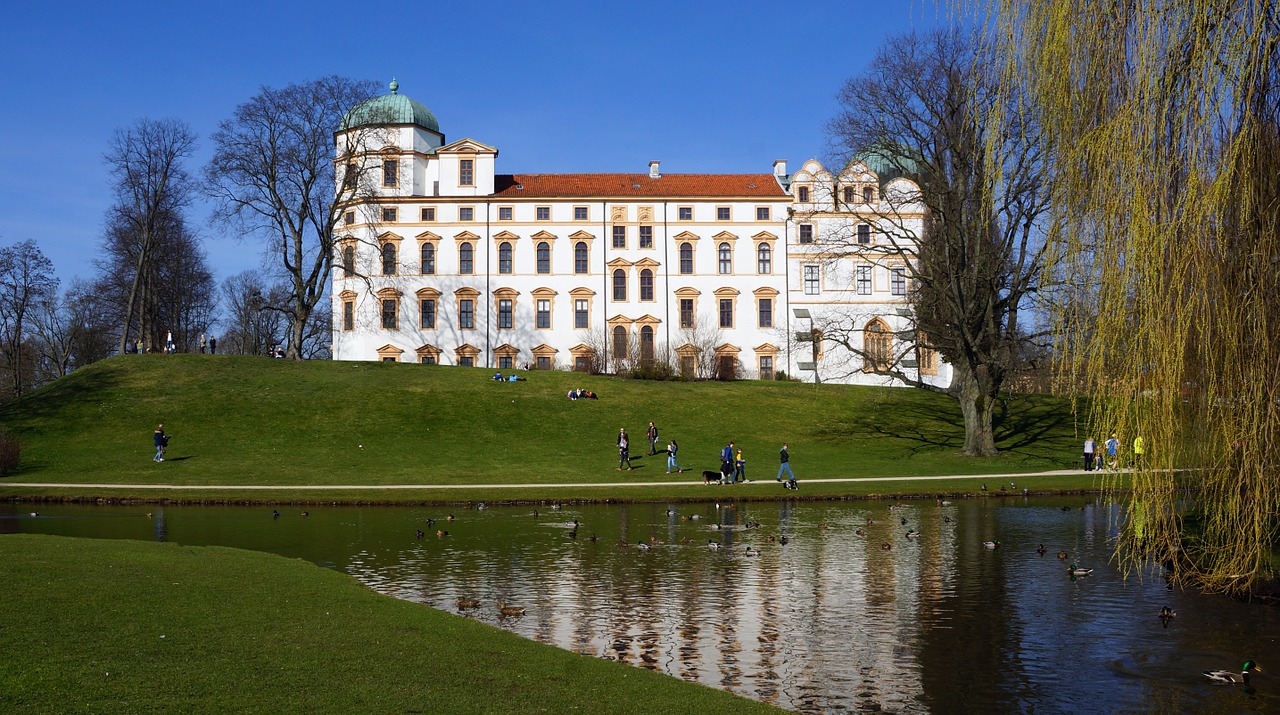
(443, 260)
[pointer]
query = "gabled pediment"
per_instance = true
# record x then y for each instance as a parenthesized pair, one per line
(465, 236)
(646, 263)
(543, 236)
(505, 236)
(389, 349)
(466, 146)
(581, 235)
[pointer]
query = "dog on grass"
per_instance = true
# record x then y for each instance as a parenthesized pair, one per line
(710, 477)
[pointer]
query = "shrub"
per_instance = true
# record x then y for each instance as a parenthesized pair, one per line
(10, 451)
(654, 371)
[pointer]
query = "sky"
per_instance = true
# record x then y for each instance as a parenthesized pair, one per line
(702, 86)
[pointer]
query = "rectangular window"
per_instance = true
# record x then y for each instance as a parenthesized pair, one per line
(349, 176)
(580, 314)
(428, 314)
(864, 233)
(389, 215)
(389, 314)
(646, 236)
(504, 362)
(766, 312)
(429, 214)
(428, 360)
(803, 194)
(806, 233)
(848, 194)
(619, 236)
(686, 312)
(390, 173)
(504, 213)
(466, 259)
(467, 314)
(349, 217)
(811, 280)
(726, 312)
(762, 213)
(348, 315)
(864, 280)
(466, 361)
(898, 281)
(684, 213)
(579, 213)
(766, 367)
(544, 313)
(544, 362)
(504, 314)
(466, 213)
(466, 172)
(722, 213)
(543, 213)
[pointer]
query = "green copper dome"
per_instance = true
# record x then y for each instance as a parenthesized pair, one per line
(390, 109)
(889, 162)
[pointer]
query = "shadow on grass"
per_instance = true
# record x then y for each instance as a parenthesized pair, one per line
(53, 399)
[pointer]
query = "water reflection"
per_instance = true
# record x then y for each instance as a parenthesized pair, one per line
(823, 619)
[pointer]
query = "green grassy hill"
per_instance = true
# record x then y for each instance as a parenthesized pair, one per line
(241, 420)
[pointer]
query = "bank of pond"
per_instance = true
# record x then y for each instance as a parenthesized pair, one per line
(984, 604)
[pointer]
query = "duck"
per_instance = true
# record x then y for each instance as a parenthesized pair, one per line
(944, 502)
(441, 533)
(275, 513)
(420, 534)
(783, 540)
(593, 538)
(695, 517)
(506, 610)
(886, 546)
(482, 506)
(555, 507)
(449, 518)
(946, 519)
(465, 603)
(671, 512)
(1077, 571)
(752, 551)
(823, 525)
(1040, 549)
(860, 532)
(912, 535)
(1167, 612)
(643, 546)
(713, 545)
(573, 534)
(1227, 677)
(993, 544)
(1062, 555)
(306, 513)
(535, 513)
(904, 522)
(715, 526)
(431, 522)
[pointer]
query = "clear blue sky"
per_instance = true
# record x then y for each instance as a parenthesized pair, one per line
(555, 86)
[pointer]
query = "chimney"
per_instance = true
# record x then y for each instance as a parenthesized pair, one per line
(653, 170)
(780, 167)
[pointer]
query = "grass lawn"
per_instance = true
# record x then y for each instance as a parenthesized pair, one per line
(124, 626)
(246, 421)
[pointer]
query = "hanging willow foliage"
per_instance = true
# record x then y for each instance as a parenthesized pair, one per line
(1164, 121)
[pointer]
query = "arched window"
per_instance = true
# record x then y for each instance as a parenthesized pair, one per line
(764, 259)
(580, 257)
(388, 259)
(877, 344)
(646, 284)
(428, 259)
(646, 345)
(544, 257)
(349, 261)
(726, 259)
(620, 285)
(504, 257)
(686, 259)
(466, 259)
(619, 343)
(868, 195)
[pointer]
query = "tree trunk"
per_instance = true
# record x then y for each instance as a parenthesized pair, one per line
(977, 397)
(301, 314)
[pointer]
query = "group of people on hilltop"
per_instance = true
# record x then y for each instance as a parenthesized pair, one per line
(733, 465)
(1110, 457)
(209, 344)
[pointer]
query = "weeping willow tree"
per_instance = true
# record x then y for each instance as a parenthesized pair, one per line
(1163, 118)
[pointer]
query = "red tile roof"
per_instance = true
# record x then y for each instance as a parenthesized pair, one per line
(637, 185)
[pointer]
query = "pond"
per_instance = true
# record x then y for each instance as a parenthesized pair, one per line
(812, 606)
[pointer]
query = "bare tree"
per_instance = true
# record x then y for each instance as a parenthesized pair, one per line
(272, 174)
(926, 109)
(71, 331)
(248, 329)
(152, 188)
(26, 279)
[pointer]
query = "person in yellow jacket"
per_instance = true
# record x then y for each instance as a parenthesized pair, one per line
(739, 467)
(1139, 450)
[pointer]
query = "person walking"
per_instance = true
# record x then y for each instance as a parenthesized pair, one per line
(739, 467)
(1089, 450)
(785, 458)
(168, 342)
(1139, 450)
(624, 450)
(213, 345)
(653, 439)
(161, 441)
(672, 464)
(1113, 447)
(726, 463)
(203, 343)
